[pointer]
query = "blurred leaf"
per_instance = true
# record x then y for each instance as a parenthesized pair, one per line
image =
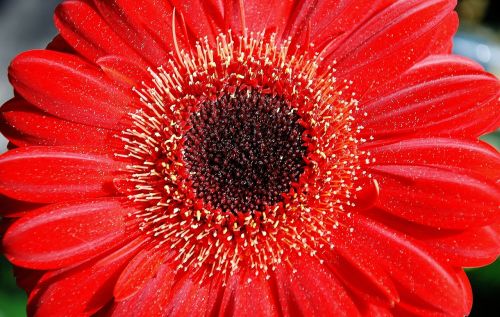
(12, 299)
(486, 276)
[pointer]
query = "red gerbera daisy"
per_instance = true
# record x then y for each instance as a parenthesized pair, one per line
(250, 158)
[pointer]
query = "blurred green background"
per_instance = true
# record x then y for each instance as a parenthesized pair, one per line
(27, 24)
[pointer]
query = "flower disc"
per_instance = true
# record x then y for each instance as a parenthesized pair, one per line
(240, 145)
(243, 151)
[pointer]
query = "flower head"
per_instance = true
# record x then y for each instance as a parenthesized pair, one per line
(250, 158)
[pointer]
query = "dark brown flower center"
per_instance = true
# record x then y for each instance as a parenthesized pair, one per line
(244, 150)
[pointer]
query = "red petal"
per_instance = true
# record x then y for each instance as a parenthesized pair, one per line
(326, 23)
(188, 297)
(470, 157)
(438, 182)
(259, 16)
(203, 18)
(248, 295)
(415, 310)
(367, 196)
(234, 15)
(311, 290)
(125, 72)
(23, 124)
(68, 87)
(215, 294)
(392, 41)
(442, 95)
(470, 248)
(371, 310)
(367, 278)
(417, 275)
(146, 26)
(408, 309)
(437, 197)
(78, 23)
(60, 45)
(495, 229)
(464, 283)
(461, 248)
(67, 233)
(152, 299)
(442, 43)
(12, 208)
(51, 174)
(83, 290)
(143, 267)
(405, 309)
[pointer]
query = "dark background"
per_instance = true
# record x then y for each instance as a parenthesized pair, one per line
(27, 24)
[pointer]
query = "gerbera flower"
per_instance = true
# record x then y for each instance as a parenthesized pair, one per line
(250, 158)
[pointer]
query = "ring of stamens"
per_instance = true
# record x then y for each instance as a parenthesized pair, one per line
(198, 234)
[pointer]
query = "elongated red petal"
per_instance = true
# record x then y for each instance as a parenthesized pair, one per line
(143, 267)
(146, 26)
(422, 194)
(64, 234)
(234, 15)
(461, 248)
(392, 41)
(248, 295)
(442, 42)
(469, 248)
(367, 278)
(59, 44)
(84, 290)
(153, 297)
(259, 16)
(203, 18)
(125, 72)
(188, 297)
(442, 95)
(418, 276)
(51, 174)
(464, 283)
(438, 182)
(327, 23)
(371, 310)
(471, 157)
(312, 290)
(23, 124)
(68, 87)
(78, 23)
(13, 208)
